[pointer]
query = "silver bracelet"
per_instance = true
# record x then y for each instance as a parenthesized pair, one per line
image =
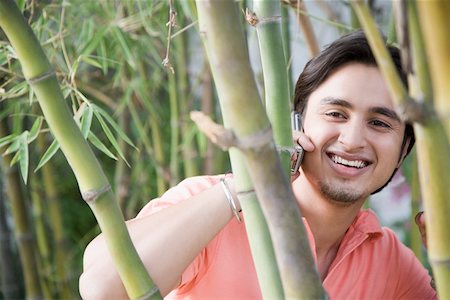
(230, 199)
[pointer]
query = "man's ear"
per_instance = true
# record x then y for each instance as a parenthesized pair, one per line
(404, 151)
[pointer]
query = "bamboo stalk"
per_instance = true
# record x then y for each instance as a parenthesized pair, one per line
(287, 46)
(122, 172)
(9, 279)
(432, 138)
(207, 109)
(276, 87)
(23, 232)
(92, 181)
(384, 60)
(225, 43)
(416, 239)
(305, 25)
(434, 17)
(60, 241)
(174, 130)
(187, 150)
(434, 141)
(43, 245)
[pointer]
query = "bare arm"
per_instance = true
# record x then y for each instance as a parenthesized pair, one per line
(167, 242)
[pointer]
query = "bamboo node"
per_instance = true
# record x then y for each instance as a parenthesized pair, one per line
(41, 77)
(150, 293)
(92, 195)
(440, 262)
(253, 20)
(225, 138)
(246, 193)
(414, 111)
(291, 150)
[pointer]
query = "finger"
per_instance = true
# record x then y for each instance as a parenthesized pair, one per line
(305, 142)
(420, 219)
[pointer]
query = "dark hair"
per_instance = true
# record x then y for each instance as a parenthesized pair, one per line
(350, 48)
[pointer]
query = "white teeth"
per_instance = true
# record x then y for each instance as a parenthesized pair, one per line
(351, 163)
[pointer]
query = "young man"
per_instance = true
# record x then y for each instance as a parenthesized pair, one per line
(194, 248)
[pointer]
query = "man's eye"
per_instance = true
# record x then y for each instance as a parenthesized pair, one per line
(379, 123)
(335, 114)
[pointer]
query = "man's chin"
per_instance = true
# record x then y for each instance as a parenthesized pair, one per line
(340, 195)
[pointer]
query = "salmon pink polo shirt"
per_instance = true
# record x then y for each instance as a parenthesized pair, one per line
(371, 262)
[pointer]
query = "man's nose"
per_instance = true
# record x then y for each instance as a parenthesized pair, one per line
(353, 135)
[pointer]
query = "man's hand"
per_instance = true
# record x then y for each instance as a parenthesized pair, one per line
(304, 141)
(420, 221)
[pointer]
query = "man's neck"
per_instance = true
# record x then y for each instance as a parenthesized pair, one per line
(328, 221)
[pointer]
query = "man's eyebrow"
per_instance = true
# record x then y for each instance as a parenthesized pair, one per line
(386, 112)
(335, 101)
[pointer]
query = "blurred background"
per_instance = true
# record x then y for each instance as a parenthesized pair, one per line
(108, 56)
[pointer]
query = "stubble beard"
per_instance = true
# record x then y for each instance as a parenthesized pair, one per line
(340, 195)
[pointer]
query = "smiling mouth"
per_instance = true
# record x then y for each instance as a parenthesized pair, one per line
(358, 164)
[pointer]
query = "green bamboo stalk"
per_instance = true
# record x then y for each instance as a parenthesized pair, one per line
(225, 43)
(416, 239)
(174, 130)
(60, 241)
(286, 37)
(437, 45)
(276, 87)
(23, 232)
(43, 247)
(122, 172)
(207, 109)
(92, 181)
(155, 127)
(434, 141)
(420, 89)
(155, 151)
(432, 138)
(9, 279)
(384, 60)
(188, 150)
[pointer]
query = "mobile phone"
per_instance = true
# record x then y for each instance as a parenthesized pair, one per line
(296, 125)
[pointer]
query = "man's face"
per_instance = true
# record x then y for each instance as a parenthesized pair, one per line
(350, 119)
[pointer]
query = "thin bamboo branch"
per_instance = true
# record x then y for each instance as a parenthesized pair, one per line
(307, 28)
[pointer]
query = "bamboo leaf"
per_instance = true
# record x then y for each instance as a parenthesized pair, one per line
(100, 146)
(35, 129)
(7, 139)
(13, 147)
(17, 90)
(86, 121)
(110, 136)
(124, 45)
(91, 61)
(93, 43)
(14, 159)
(103, 53)
(23, 155)
(114, 125)
(48, 154)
